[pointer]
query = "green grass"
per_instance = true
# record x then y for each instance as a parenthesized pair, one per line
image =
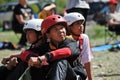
(9, 36)
(4, 53)
(96, 32)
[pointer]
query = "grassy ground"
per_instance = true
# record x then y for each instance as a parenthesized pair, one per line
(105, 65)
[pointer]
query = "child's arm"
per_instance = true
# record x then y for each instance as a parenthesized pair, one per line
(5, 60)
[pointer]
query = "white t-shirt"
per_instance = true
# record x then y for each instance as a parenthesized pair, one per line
(86, 52)
(115, 16)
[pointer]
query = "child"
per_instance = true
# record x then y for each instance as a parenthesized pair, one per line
(32, 28)
(75, 21)
(60, 65)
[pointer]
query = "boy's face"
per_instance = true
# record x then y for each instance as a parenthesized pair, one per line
(31, 36)
(77, 27)
(112, 7)
(57, 33)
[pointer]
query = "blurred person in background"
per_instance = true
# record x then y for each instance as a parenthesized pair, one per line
(22, 13)
(48, 9)
(107, 9)
(112, 17)
(80, 6)
(112, 6)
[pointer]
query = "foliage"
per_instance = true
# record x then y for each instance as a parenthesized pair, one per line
(5, 1)
(60, 5)
(35, 8)
(96, 32)
(9, 36)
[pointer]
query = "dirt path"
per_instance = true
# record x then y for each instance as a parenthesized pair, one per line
(106, 65)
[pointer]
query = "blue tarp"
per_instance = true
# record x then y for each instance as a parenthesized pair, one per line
(102, 48)
(105, 47)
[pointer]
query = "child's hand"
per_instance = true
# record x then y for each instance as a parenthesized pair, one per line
(37, 61)
(12, 63)
(34, 62)
(5, 60)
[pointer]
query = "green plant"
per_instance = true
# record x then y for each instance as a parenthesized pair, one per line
(60, 5)
(9, 36)
(96, 32)
(35, 8)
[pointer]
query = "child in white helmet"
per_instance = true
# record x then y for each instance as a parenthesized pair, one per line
(75, 29)
(32, 28)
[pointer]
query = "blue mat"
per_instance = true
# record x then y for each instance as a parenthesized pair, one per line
(105, 47)
(102, 48)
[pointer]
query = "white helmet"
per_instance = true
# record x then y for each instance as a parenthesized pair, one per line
(73, 17)
(34, 24)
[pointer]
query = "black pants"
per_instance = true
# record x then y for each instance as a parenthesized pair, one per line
(59, 70)
(23, 39)
(83, 11)
(4, 72)
(18, 71)
(13, 74)
(19, 29)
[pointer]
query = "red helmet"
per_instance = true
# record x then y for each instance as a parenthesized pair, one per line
(113, 2)
(50, 21)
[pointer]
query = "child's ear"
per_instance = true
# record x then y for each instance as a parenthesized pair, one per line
(47, 35)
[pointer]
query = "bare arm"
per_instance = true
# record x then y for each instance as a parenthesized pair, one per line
(20, 19)
(112, 22)
(88, 70)
(5, 60)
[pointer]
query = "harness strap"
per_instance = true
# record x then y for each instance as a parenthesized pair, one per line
(80, 42)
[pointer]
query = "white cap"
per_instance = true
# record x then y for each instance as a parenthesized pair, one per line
(34, 24)
(73, 17)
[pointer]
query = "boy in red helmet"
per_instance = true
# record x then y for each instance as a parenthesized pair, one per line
(61, 60)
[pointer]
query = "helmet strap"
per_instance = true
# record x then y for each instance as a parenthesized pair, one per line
(38, 37)
(74, 33)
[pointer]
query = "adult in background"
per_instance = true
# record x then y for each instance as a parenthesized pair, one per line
(112, 6)
(80, 6)
(22, 13)
(112, 18)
